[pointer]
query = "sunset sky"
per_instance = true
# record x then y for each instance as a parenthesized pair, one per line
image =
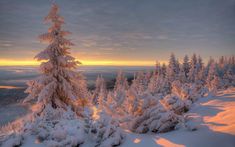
(121, 32)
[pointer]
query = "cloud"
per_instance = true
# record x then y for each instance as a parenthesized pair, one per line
(162, 37)
(107, 49)
(6, 43)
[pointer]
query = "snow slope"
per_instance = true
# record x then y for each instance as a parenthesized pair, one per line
(214, 118)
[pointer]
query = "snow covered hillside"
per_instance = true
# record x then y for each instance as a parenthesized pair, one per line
(212, 116)
(211, 119)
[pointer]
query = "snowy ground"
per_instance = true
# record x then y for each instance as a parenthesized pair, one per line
(215, 121)
(212, 116)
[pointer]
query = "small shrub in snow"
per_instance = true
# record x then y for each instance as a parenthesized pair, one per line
(155, 119)
(188, 91)
(106, 131)
(214, 85)
(173, 102)
(64, 129)
(149, 115)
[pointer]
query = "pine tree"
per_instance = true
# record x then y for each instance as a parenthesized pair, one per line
(186, 66)
(193, 68)
(173, 68)
(163, 69)
(214, 84)
(115, 99)
(152, 85)
(210, 61)
(147, 77)
(228, 77)
(59, 85)
(121, 81)
(222, 62)
(139, 82)
(159, 85)
(100, 90)
(157, 68)
(212, 81)
(182, 75)
(199, 63)
(54, 120)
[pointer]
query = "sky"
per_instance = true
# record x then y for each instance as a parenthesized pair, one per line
(121, 32)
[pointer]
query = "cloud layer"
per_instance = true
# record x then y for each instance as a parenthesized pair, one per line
(123, 29)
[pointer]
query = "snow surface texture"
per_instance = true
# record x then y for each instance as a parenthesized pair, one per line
(211, 120)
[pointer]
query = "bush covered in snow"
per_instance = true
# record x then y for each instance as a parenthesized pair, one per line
(153, 117)
(106, 131)
(56, 128)
(176, 104)
(141, 113)
(188, 91)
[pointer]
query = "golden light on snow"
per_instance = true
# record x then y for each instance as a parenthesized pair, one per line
(137, 140)
(167, 143)
(95, 114)
(37, 141)
(35, 107)
(222, 121)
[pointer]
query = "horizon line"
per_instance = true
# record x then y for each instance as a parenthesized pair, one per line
(8, 62)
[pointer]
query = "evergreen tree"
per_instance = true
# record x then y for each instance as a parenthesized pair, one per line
(221, 62)
(121, 81)
(140, 82)
(157, 68)
(200, 76)
(163, 69)
(228, 77)
(182, 74)
(193, 68)
(173, 68)
(54, 120)
(59, 85)
(100, 90)
(199, 63)
(159, 85)
(186, 66)
(212, 81)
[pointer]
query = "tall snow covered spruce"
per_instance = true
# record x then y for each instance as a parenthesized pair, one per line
(59, 85)
(55, 120)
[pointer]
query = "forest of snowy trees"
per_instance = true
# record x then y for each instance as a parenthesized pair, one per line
(66, 113)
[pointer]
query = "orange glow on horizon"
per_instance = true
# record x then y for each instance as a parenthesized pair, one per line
(18, 62)
(8, 62)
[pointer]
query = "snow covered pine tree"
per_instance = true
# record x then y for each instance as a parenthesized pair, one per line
(59, 84)
(54, 121)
